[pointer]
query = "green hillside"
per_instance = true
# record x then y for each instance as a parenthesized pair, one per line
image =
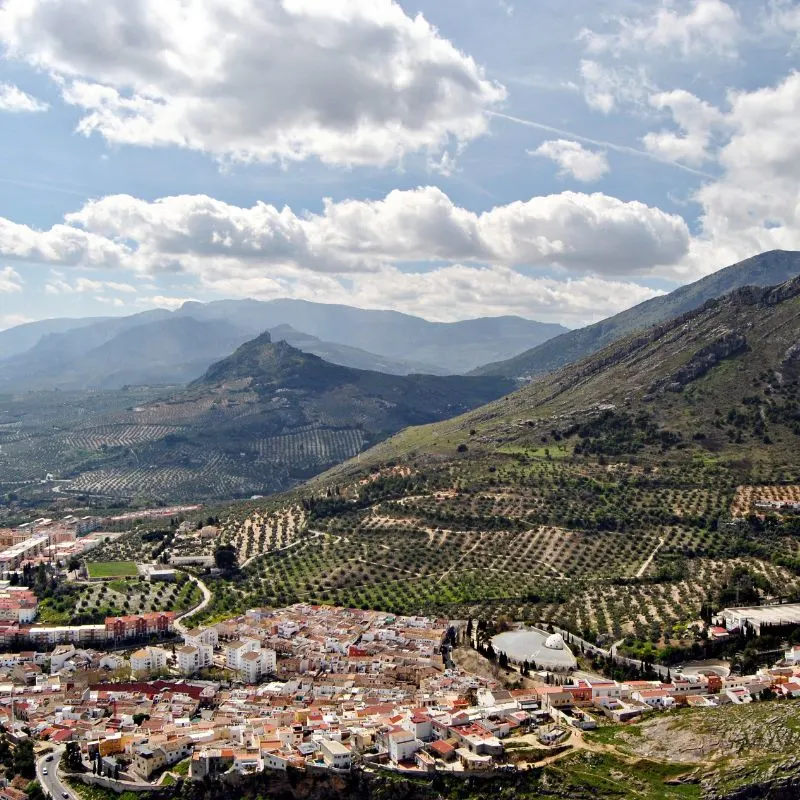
(720, 382)
(611, 497)
(259, 421)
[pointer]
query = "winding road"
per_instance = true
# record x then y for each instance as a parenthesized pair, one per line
(48, 777)
(207, 596)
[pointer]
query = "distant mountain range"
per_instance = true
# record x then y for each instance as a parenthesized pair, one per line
(166, 348)
(766, 269)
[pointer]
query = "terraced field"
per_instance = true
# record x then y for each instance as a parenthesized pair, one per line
(211, 479)
(122, 435)
(261, 533)
(608, 550)
(312, 447)
(750, 499)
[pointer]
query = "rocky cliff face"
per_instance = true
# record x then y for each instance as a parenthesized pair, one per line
(728, 344)
(772, 785)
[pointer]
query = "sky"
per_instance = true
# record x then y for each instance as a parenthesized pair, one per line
(556, 160)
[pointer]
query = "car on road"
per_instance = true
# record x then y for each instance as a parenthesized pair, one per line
(65, 794)
(44, 771)
(49, 758)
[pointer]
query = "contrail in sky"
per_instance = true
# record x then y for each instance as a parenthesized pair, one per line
(620, 148)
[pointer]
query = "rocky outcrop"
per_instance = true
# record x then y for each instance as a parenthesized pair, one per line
(792, 355)
(729, 344)
(781, 781)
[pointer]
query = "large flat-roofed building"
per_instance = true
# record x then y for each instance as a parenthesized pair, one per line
(12, 557)
(758, 616)
(335, 754)
(137, 625)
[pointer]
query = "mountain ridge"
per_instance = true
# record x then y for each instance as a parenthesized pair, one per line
(257, 421)
(765, 269)
(65, 353)
(678, 373)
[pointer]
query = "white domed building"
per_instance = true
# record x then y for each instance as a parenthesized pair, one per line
(546, 650)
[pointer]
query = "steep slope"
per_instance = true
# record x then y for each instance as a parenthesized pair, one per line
(766, 269)
(167, 352)
(331, 395)
(722, 380)
(455, 347)
(54, 351)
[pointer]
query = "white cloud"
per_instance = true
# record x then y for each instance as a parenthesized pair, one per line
(162, 301)
(360, 251)
(573, 159)
(755, 205)
(10, 280)
(61, 245)
(604, 88)
(117, 302)
(591, 232)
(13, 99)
(697, 121)
(58, 285)
(345, 81)
(701, 28)
(782, 17)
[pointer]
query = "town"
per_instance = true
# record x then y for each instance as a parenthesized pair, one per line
(139, 700)
(318, 688)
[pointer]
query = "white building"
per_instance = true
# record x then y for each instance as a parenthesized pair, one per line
(402, 746)
(257, 663)
(149, 659)
(60, 655)
(793, 655)
(335, 754)
(111, 661)
(198, 636)
(605, 690)
(287, 629)
(235, 651)
(192, 659)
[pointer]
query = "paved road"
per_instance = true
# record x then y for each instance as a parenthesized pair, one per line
(51, 783)
(574, 642)
(179, 626)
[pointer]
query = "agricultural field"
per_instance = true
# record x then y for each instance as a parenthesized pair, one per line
(262, 421)
(260, 533)
(210, 479)
(253, 531)
(611, 551)
(91, 603)
(124, 435)
(747, 498)
(111, 569)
